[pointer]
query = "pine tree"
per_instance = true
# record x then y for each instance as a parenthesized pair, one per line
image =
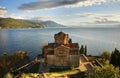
(115, 58)
(70, 40)
(82, 50)
(112, 58)
(85, 50)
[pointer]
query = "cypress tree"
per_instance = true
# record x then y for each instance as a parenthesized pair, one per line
(85, 50)
(112, 59)
(82, 50)
(115, 58)
(70, 40)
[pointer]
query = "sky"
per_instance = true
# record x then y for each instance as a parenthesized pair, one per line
(66, 12)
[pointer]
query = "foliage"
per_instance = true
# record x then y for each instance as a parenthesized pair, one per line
(107, 71)
(8, 75)
(83, 50)
(106, 55)
(10, 62)
(32, 75)
(70, 74)
(7, 23)
(115, 58)
(70, 40)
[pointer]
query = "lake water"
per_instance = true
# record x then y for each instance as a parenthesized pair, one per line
(32, 40)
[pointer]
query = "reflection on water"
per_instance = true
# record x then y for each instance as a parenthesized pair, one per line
(4, 41)
(32, 40)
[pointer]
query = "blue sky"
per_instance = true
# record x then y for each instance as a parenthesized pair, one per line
(66, 12)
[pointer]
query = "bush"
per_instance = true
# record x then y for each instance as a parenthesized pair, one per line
(106, 55)
(107, 71)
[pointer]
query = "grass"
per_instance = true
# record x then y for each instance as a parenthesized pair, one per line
(75, 73)
(71, 73)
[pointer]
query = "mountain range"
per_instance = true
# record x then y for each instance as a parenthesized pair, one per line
(10, 23)
(52, 24)
(48, 24)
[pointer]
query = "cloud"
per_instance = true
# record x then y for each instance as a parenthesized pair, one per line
(44, 17)
(46, 4)
(95, 19)
(77, 23)
(27, 16)
(16, 16)
(99, 23)
(107, 22)
(52, 4)
(97, 16)
(3, 10)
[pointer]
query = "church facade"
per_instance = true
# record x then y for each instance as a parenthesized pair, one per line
(62, 52)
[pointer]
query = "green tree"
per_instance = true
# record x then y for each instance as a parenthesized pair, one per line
(8, 75)
(106, 55)
(82, 51)
(70, 40)
(23, 75)
(85, 50)
(10, 62)
(115, 58)
(106, 71)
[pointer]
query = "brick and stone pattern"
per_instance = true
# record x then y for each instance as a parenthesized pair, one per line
(61, 52)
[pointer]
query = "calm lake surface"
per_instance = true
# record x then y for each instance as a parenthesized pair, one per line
(32, 40)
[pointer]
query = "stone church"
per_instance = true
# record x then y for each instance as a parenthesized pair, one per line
(62, 52)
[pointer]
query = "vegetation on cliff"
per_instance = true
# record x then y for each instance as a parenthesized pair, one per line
(10, 23)
(106, 71)
(106, 55)
(115, 58)
(11, 62)
(110, 66)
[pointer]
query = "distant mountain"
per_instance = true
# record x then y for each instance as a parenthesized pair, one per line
(52, 24)
(8, 23)
(48, 24)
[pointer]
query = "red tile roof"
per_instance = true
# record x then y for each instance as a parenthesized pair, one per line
(74, 45)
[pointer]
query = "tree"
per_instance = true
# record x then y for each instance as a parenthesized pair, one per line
(85, 50)
(107, 71)
(106, 55)
(10, 62)
(70, 40)
(115, 58)
(82, 50)
(8, 75)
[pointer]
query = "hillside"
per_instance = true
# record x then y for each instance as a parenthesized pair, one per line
(48, 24)
(10, 23)
(52, 24)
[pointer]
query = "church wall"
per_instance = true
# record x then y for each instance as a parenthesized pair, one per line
(60, 61)
(50, 59)
(61, 51)
(74, 60)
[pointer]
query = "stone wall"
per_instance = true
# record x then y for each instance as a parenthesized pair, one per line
(61, 51)
(72, 60)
